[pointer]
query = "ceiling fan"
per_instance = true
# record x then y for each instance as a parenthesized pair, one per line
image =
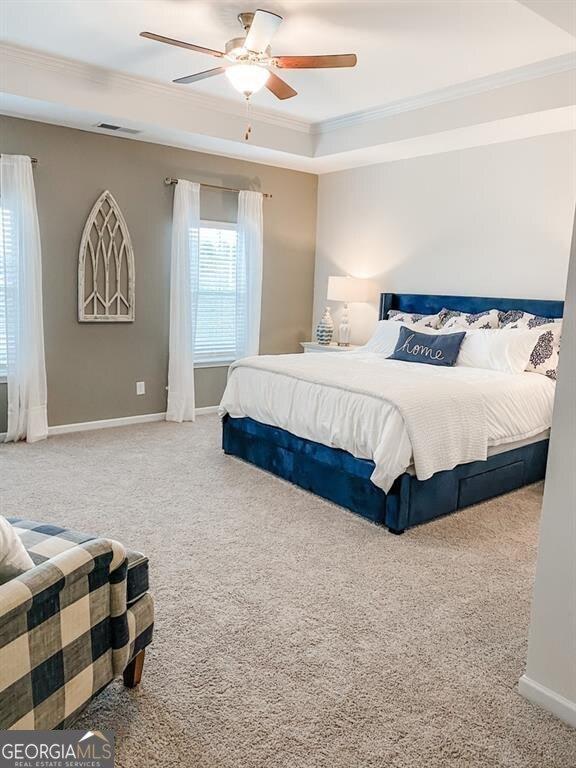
(246, 60)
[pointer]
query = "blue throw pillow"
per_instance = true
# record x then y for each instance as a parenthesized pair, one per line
(414, 347)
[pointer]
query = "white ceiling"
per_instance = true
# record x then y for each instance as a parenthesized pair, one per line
(404, 48)
(433, 75)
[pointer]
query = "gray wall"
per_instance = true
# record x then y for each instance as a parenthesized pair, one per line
(93, 368)
(486, 221)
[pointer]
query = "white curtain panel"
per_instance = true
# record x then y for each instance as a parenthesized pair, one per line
(22, 273)
(249, 273)
(183, 301)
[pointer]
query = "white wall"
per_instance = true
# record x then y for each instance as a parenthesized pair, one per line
(487, 221)
(550, 678)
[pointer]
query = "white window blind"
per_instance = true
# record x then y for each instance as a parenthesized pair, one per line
(216, 322)
(6, 244)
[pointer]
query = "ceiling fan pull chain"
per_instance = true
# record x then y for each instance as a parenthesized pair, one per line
(248, 116)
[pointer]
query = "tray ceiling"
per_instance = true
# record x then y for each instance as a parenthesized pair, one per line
(404, 48)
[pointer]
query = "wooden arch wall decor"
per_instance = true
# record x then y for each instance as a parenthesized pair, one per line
(106, 280)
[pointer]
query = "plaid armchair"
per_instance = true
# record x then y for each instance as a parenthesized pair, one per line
(78, 619)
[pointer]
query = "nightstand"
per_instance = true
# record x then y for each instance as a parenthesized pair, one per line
(313, 346)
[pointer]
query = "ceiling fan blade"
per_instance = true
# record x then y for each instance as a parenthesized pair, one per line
(262, 30)
(315, 62)
(279, 87)
(181, 44)
(200, 75)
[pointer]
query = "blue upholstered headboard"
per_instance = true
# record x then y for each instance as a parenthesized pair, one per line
(424, 304)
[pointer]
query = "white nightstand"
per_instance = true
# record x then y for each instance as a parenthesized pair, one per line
(313, 346)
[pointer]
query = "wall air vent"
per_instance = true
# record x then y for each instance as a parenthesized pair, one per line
(117, 128)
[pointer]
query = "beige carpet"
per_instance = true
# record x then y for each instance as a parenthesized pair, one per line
(291, 633)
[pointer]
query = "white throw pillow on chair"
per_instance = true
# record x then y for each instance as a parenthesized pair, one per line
(14, 560)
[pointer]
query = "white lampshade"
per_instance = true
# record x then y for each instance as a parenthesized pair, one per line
(350, 289)
(247, 78)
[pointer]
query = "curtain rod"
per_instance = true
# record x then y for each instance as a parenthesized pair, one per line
(168, 180)
(33, 160)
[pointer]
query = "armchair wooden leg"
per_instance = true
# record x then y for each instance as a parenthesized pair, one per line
(133, 672)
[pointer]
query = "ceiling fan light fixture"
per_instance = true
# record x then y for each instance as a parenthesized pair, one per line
(247, 78)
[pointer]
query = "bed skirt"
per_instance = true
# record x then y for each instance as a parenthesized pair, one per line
(339, 477)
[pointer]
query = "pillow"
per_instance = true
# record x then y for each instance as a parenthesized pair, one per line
(429, 348)
(451, 318)
(516, 318)
(422, 321)
(383, 340)
(499, 350)
(14, 559)
(546, 351)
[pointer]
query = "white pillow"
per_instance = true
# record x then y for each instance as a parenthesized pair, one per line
(497, 349)
(383, 340)
(14, 559)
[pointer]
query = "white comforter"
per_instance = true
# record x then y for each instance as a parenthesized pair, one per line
(392, 412)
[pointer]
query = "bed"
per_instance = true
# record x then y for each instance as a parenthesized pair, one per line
(344, 478)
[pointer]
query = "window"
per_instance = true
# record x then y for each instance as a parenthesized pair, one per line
(216, 323)
(5, 247)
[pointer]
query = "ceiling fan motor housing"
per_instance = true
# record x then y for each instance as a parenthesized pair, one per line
(234, 46)
(235, 50)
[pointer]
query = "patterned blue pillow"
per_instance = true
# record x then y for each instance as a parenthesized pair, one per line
(516, 318)
(453, 318)
(425, 321)
(432, 349)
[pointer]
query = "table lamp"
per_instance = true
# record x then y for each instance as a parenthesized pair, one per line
(349, 290)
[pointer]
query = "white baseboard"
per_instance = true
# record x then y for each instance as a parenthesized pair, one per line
(124, 421)
(86, 426)
(207, 409)
(548, 699)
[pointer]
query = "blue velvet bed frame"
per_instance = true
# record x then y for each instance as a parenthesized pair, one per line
(338, 476)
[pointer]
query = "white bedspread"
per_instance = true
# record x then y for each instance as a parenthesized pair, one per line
(392, 412)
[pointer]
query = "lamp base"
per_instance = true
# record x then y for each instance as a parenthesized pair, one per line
(344, 329)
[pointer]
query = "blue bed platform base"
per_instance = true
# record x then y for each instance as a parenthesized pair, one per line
(340, 477)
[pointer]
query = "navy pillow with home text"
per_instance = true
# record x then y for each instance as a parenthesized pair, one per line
(432, 349)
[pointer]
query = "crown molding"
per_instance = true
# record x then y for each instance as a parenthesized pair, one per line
(291, 150)
(102, 76)
(12, 54)
(80, 120)
(534, 71)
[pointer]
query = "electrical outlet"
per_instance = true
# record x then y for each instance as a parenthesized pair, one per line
(140, 387)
